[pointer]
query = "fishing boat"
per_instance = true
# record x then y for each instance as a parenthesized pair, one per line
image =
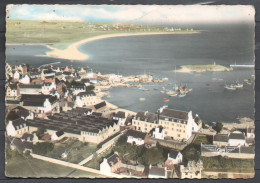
(182, 95)
(172, 93)
(238, 85)
(166, 100)
(142, 99)
(230, 87)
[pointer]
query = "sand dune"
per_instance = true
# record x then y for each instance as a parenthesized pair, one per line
(72, 52)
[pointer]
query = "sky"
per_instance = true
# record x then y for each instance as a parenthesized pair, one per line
(135, 14)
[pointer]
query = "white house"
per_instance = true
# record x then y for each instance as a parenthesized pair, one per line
(16, 75)
(250, 132)
(11, 90)
(136, 137)
(57, 136)
(25, 80)
(174, 157)
(157, 172)
(236, 138)
(158, 133)
(79, 102)
(110, 165)
(10, 129)
(47, 87)
(16, 128)
(121, 117)
(47, 107)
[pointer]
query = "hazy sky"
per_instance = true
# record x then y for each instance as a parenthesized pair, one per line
(152, 14)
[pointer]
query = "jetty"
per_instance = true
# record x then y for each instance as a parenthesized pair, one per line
(241, 66)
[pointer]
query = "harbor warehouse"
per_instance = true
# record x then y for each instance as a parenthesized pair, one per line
(77, 124)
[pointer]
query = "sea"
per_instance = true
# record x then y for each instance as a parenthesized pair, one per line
(160, 56)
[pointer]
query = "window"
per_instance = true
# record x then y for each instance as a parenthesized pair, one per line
(179, 135)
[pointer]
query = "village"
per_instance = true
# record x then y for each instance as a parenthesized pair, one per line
(59, 115)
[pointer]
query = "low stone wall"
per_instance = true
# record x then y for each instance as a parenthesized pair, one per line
(230, 155)
(76, 166)
(177, 146)
(103, 148)
(232, 175)
(64, 163)
(139, 168)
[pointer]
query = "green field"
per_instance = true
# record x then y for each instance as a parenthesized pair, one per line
(22, 167)
(60, 34)
(77, 151)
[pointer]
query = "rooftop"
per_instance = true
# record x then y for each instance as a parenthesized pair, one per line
(73, 121)
(156, 171)
(221, 137)
(174, 114)
(136, 134)
(146, 116)
(120, 114)
(36, 100)
(113, 159)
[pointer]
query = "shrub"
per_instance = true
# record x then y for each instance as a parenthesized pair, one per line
(218, 127)
(42, 148)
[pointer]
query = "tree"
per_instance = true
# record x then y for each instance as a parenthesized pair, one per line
(40, 131)
(218, 127)
(12, 115)
(204, 126)
(122, 140)
(42, 148)
(28, 67)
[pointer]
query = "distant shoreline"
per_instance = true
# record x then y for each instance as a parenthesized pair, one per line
(72, 52)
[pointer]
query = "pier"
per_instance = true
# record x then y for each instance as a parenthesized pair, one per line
(242, 66)
(49, 64)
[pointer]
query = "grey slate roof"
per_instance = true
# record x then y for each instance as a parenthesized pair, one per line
(113, 159)
(146, 116)
(100, 105)
(26, 136)
(221, 137)
(173, 154)
(86, 93)
(238, 136)
(73, 121)
(247, 150)
(18, 123)
(25, 86)
(37, 100)
(136, 134)
(120, 114)
(157, 171)
(174, 114)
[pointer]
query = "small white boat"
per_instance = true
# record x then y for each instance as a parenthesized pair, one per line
(142, 99)
(182, 95)
(230, 87)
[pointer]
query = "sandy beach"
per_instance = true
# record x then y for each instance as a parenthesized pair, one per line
(72, 52)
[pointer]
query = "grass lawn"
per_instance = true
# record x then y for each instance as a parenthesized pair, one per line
(76, 150)
(21, 167)
(95, 162)
(62, 33)
(224, 164)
